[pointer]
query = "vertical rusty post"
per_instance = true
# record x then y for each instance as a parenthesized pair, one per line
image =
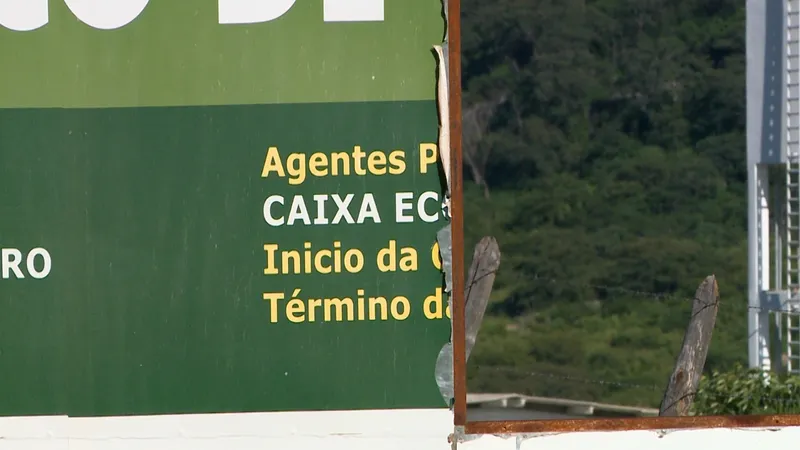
(457, 208)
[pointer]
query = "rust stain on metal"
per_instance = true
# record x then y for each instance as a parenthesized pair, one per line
(629, 424)
(457, 203)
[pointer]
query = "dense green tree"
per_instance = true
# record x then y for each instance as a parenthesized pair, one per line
(604, 149)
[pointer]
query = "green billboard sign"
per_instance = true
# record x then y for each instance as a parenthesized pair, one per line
(213, 206)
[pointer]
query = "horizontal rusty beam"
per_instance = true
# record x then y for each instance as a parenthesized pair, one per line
(628, 424)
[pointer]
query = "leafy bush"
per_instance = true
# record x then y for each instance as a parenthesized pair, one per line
(744, 391)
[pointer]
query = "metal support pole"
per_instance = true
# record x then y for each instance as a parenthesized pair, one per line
(759, 267)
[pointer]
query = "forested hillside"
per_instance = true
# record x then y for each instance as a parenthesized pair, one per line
(604, 149)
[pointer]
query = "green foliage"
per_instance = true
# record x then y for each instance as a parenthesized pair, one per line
(745, 392)
(604, 149)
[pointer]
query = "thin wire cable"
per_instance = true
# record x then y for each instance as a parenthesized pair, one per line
(659, 296)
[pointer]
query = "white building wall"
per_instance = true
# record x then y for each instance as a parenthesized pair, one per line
(361, 430)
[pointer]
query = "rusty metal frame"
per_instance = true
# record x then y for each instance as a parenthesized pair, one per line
(457, 211)
(628, 424)
(458, 302)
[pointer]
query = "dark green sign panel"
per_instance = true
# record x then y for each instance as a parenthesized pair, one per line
(203, 217)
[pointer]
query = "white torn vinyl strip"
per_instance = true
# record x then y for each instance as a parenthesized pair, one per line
(443, 99)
